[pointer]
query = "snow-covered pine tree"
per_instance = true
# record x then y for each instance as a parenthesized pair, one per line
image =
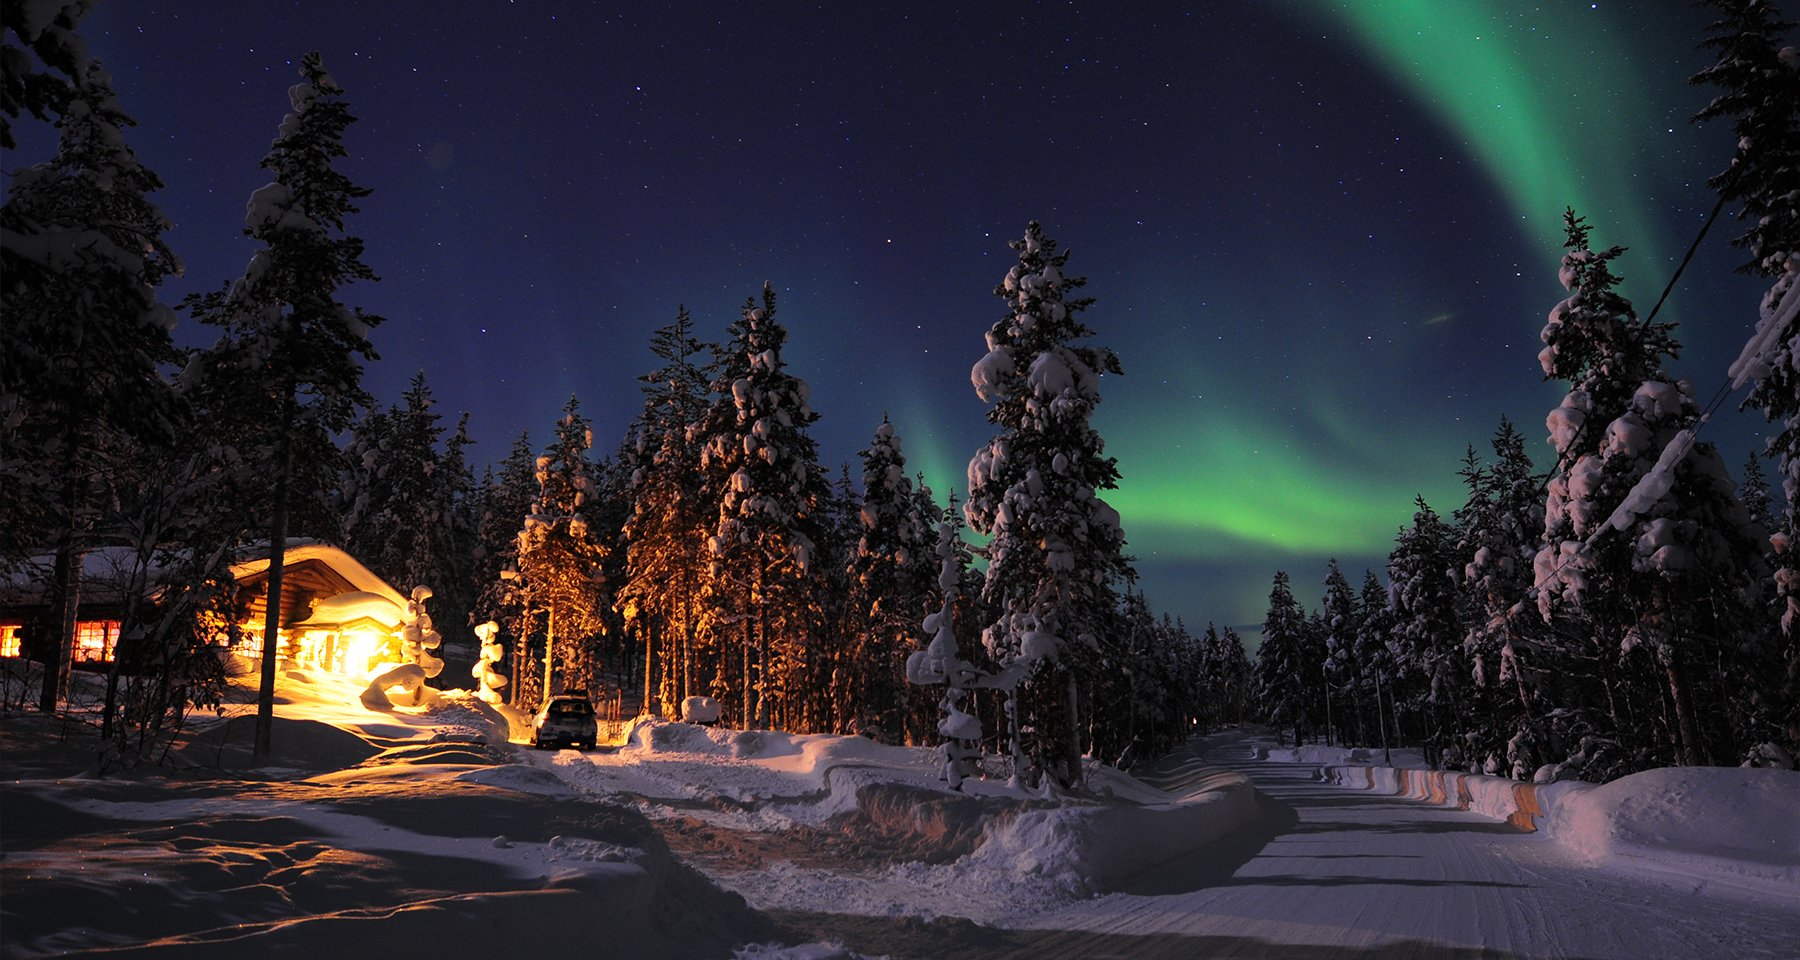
(504, 502)
(918, 707)
(1284, 680)
(762, 465)
(1426, 634)
(407, 492)
(1343, 670)
(291, 344)
(890, 586)
(81, 253)
(831, 605)
(391, 479)
(1498, 531)
(559, 558)
(453, 538)
(1753, 490)
(945, 659)
(1758, 73)
(1645, 539)
(671, 518)
(1056, 557)
(1373, 656)
(1211, 710)
(48, 30)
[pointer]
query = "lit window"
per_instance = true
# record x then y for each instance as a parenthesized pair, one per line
(94, 640)
(9, 641)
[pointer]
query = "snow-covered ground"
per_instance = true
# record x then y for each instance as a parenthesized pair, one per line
(435, 828)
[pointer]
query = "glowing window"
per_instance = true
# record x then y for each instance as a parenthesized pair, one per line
(9, 641)
(94, 640)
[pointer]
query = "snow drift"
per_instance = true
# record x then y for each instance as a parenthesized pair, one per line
(1725, 825)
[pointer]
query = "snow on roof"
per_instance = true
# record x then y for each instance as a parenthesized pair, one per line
(352, 606)
(359, 576)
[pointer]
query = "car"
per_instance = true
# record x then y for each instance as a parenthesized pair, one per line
(565, 720)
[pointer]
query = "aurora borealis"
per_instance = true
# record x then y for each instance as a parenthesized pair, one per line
(1322, 235)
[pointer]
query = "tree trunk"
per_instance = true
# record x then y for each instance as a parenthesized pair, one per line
(549, 656)
(1693, 751)
(265, 695)
(1073, 760)
(60, 658)
(648, 633)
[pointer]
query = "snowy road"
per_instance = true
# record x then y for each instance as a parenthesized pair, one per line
(1333, 872)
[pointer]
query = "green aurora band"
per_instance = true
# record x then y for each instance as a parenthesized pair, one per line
(1538, 110)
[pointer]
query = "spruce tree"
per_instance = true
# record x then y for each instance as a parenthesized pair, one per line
(504, 502)
(1374, 658)
(1758, 74)
(1646, 541)
(1343, 669)
(1283, 678)
(671, 515)
(47, 30)
(1498, 529)
(290, 346)
(559, 559)
(1426, 634)
(762, 469)
(890, 582)
(1056, 557)
(83, 342)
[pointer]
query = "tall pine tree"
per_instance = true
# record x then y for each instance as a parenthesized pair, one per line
(81, 255)
(288, 342)
(763, 471)
(1056, 558)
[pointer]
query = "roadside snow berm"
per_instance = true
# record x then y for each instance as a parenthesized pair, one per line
(1733, 826)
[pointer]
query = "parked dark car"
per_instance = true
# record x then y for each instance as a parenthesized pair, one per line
(565, 721)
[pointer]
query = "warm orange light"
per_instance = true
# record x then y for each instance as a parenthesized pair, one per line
(94, 640)
(9, 641)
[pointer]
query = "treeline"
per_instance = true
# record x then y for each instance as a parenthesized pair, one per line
(705, 553)
(1631, 607)
(708, 553)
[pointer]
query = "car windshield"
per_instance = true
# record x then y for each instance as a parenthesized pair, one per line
(571, 708)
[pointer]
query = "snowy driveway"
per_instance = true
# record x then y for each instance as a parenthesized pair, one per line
(1334, 872)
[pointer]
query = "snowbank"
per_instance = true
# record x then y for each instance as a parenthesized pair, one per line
(1732, 826)
(1088, 848)
(1735, 826)
(1517, 803)
(887, 806)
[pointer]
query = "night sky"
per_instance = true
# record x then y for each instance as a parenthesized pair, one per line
(1323, 236)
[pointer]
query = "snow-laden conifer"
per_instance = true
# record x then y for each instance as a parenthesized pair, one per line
(83, 340)
(1056, 554)
(405, 500)
(290, 349)
(1285, 678)
(1646, 542)
(670, 519)
(943, 661)
(1757, 71)
(1425, 633)
(559, 557)
(762, 469)
(890, 581)
(1498, 531)
(504, 501)
(45, 28)
(1343, 668)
